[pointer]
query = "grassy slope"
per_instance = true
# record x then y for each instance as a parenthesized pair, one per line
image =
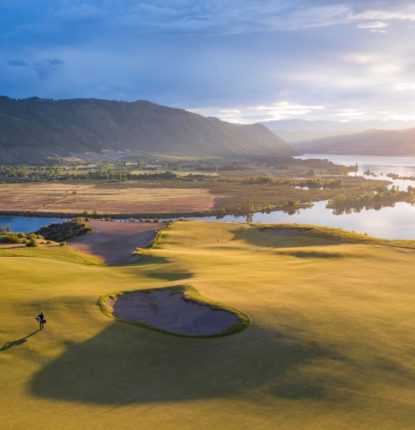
(330, 345)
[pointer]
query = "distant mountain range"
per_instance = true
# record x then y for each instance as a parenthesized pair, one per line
(34, 130)
(300, 130)
(369, 142)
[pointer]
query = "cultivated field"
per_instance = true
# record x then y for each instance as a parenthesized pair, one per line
(330, 344)
(112, 198)
(234, 193)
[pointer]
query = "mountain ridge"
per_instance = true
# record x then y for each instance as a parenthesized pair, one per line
(302, 130)
(36, 129)
(368, 142)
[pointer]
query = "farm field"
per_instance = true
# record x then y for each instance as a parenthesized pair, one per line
(231, 193)
(330, 344)
(115, 198)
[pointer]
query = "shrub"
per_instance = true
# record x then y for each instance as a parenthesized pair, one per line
(32, 242)
(11, 238)
(63, 231)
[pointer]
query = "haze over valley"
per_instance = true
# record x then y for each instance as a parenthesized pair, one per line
(369, 142)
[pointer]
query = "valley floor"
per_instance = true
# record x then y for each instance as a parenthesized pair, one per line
(330, 344)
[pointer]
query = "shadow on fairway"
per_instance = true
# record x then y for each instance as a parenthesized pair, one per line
(170, 272)
(148, 259)
(17, 342)
(125, 364)
(312, 254)
(271, 239)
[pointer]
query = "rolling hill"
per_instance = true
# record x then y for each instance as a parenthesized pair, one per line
(329, 347)
(369, 142)
(35, 129)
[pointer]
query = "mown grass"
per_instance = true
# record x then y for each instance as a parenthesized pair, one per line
(60, 253)
(329, 347)
(335, 234)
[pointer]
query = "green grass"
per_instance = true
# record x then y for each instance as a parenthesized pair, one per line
(60, 253)
(314, 232)
(329, 346)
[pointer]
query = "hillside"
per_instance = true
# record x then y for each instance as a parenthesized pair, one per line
(370, 142)
(37, 129)
(301, 130)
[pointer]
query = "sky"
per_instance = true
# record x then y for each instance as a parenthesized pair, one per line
(241, 60)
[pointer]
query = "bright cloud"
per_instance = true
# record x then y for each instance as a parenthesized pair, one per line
(248, 114)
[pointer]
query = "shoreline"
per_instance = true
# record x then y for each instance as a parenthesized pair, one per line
(108, 215)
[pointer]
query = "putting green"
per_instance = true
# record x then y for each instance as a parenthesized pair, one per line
(330, 344)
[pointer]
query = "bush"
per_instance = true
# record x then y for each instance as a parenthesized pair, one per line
(63, 231)
(11, 238)
(32, 242)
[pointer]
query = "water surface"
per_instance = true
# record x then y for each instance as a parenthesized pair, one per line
(378, 165)
(25, 224)
(397, 222)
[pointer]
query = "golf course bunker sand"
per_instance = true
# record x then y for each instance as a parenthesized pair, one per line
(175, 310)
(115, 241)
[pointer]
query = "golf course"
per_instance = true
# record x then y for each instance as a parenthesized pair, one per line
(325, 337)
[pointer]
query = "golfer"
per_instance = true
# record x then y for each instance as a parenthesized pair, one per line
(42, 320)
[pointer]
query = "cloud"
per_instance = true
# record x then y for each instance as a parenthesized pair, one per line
(374, 26)
(242, 61)
(16, 63)
(376, 64)
(396, 13)
(79, 11)
(54, 61)
(349, 114)
(46, 67)
(256, 113)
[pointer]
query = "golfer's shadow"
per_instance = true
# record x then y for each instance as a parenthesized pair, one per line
(17, 342)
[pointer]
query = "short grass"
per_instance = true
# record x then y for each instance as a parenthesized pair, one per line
(330, 344)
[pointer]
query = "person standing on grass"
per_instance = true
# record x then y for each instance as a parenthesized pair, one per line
(42, 320)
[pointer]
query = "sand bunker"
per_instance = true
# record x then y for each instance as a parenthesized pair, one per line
(170, 310)
(115, 241)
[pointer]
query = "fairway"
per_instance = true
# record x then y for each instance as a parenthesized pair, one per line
(330, 343)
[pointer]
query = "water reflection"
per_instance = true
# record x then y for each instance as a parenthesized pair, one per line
(371, 167)
(397, 222)
(25, 224)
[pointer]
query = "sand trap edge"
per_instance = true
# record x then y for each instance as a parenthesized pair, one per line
(189, 294)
